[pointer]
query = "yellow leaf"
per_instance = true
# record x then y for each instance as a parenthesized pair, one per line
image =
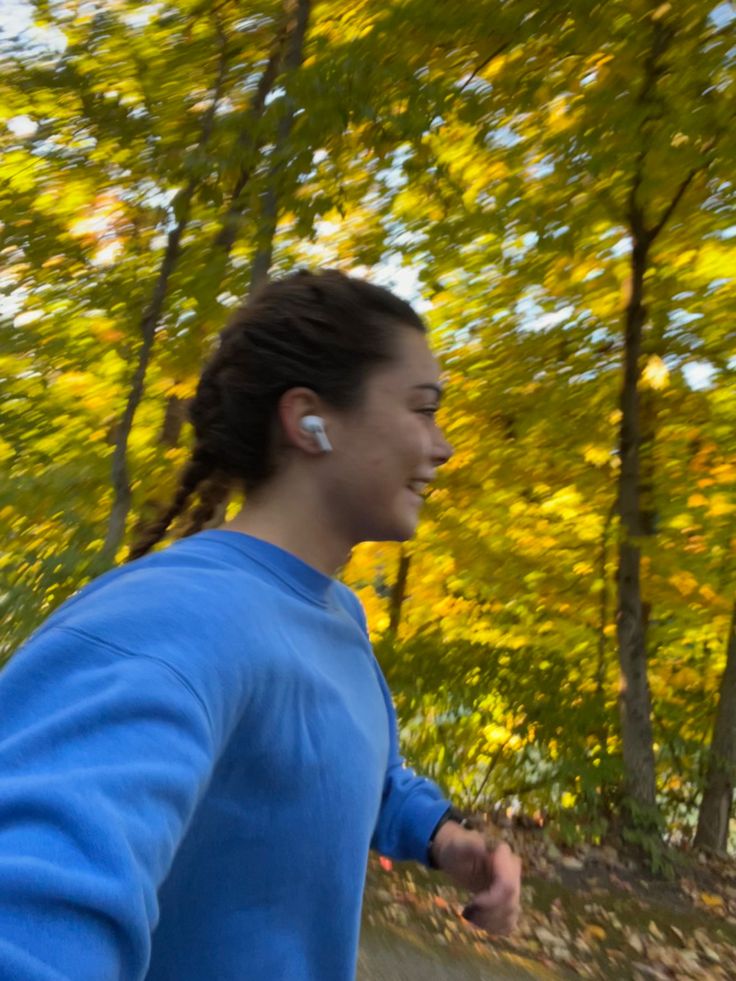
(599, 456)
(496, 735)
(720, 505)
(686, 679)
(711, 900)
(558, 116)
(604, 303)
(681, 521)
(697, 501)
(566, 502)
(662, 10)
(656, 374)
(582, 568)
(715, 261)
(725, 473)
(6, 450)
(684, 582)
(494, 67)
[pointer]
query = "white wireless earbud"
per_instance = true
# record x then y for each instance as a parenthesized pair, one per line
(316, 427)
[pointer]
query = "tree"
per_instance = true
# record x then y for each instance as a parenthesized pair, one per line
(715, 810)
(611, 171)
(289, 40)
(556, 189)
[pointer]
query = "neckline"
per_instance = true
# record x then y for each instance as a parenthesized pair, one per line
(295, 572)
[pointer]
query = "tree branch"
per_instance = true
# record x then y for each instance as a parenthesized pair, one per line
(491, 766)
(151, 316)
(491, 57)
(668, 211)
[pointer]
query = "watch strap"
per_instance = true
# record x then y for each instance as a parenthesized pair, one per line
(451, 814)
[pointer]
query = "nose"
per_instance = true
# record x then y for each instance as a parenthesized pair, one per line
(441, 450)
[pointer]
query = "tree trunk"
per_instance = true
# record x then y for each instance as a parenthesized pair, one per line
(269, 216)
(174, 419)
(261, 264)
(248, 147)
(634, 694)
(289, 60)
(151, 317)
(120, 481)
(634, 697)
(286, 59)
(717, 803)
(603, 729)
(398, 593)
(182, 208)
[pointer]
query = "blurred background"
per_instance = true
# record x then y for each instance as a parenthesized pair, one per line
(552, 185)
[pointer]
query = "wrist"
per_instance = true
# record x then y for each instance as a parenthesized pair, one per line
(450, 822)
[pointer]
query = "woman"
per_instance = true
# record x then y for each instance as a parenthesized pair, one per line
(198, 750)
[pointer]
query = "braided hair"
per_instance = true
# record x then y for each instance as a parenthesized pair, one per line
(322, 330)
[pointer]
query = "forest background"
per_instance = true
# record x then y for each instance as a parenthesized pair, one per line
(552, 184)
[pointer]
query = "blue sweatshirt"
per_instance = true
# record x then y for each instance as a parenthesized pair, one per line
(196, 753)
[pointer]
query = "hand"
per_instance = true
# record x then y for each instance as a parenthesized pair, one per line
(493, 875)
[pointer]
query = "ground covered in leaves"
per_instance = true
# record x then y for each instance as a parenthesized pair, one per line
(589, 912)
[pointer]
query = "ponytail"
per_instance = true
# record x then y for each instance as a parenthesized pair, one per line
(198, 470)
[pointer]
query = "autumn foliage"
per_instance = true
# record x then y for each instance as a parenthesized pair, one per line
(553, 185)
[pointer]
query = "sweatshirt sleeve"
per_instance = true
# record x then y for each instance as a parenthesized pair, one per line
(104, 755)
(411, 806)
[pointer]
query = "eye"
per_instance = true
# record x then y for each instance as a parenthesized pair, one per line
(429, 411)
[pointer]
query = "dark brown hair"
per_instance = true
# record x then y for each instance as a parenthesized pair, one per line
(321, 330)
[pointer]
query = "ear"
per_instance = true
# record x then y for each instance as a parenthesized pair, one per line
(292, 407)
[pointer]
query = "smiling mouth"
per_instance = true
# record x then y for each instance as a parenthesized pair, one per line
(418, 489)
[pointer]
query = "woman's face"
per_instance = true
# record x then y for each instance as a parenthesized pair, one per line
(387, 450)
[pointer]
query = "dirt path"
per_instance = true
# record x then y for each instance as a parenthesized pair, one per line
(592, 913)
(389, 954)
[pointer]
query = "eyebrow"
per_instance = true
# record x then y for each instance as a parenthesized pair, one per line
(437, 389)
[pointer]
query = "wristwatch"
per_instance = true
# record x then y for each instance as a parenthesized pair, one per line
(451, 814)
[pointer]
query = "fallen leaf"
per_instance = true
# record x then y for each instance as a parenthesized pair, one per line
(621, 884)
(711, 900)
(545, 936)
(689, 960)
(572, 863)
(648, 971)
(710, 954)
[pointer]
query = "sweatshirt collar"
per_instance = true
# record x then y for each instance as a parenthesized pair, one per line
(302, 577)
